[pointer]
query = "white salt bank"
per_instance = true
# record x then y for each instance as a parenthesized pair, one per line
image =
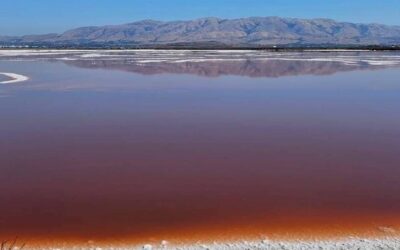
(14, 78)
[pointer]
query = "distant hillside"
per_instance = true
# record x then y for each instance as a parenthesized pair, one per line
(254, 31)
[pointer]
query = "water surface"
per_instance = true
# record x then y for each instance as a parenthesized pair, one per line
(124, 150)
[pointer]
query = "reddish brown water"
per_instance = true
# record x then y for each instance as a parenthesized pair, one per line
(118, 157)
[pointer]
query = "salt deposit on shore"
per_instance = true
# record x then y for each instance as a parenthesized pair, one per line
(389, 242)
(14, 78)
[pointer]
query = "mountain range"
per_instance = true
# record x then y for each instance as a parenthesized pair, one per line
(253, 31)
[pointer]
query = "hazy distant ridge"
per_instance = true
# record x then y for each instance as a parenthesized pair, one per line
(245, 31)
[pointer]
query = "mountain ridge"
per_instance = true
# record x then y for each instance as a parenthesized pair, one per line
(251, 31)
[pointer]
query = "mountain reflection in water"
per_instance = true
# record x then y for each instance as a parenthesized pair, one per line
(251, 68)
(262, 65)
(215, 63)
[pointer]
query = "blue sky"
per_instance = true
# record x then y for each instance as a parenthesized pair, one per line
(44, 16)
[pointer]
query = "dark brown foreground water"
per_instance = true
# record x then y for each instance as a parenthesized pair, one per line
(115, 156)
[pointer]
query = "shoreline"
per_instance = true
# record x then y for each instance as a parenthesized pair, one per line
(350, 242)
(382, 238)
(267, 244)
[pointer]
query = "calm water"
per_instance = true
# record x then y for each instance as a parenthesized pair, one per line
(132, 146)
